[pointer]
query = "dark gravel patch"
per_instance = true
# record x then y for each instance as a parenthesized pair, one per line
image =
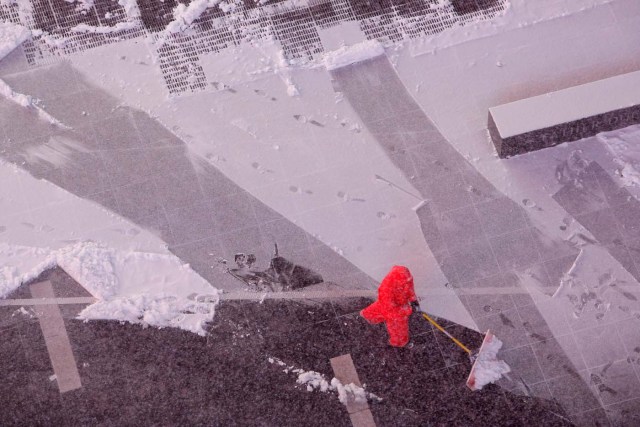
(133, 375)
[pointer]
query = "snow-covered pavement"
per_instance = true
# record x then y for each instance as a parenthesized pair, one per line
(141, 149)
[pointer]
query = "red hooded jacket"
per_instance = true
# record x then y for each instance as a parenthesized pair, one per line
(396, 292)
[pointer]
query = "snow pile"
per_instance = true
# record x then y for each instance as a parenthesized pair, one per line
(88, 263)
(351, 54)
(184, 15)
(357, 394)
(157, 310)
(82, 5)
(26, 101)
(624, 145)
(130, 8)
(488, 368)
(134, 287)
(313, 380)
(316, 381)
(120, 26)
(11, 36)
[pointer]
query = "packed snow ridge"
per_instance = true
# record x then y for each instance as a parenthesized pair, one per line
(142, 288)
(312, 380)
(347, 55)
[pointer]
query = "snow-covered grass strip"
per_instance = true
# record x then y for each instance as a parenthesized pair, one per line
(312, 380)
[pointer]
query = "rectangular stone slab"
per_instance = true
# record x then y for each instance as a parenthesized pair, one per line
(565, 115)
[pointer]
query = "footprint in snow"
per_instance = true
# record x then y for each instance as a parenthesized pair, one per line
(261, 170)
(263, 93)
(304, 119)
(299, 190)
(385, 216)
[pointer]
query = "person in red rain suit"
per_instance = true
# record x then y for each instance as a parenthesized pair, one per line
(396, 299)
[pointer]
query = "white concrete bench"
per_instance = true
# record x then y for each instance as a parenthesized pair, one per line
(566, 115)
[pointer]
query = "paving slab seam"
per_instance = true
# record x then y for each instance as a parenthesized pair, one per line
(48, 301)
(253, 296)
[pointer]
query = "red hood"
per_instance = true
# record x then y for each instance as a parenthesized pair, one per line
(400, 274)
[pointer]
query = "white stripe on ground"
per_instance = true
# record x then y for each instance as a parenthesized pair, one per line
(56, 339)
(246, 295)
(345, 371)
(363, 293)
(291, 295)
(47, 301)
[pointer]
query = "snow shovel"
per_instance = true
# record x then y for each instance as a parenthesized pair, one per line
(486, 368)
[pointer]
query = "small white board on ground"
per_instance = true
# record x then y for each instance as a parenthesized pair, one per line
(487, 368)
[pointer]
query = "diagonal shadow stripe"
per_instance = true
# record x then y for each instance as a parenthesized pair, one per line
(480, 237)
(127, 162)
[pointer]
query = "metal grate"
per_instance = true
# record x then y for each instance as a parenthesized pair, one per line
(298, 34)
(53, 23)
(329, 13)
(292, 23)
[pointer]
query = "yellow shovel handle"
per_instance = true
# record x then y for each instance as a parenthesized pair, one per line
(433, 322)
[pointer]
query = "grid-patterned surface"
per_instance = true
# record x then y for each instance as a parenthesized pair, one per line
(293, 23)
(55, 27)
(298, 34)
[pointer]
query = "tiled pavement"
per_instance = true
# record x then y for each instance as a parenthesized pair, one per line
(130, 164)
(167, 376)
(609, 212)
(482, 239)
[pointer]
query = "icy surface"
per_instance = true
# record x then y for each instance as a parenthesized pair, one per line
(625, 148)
(310, 158)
